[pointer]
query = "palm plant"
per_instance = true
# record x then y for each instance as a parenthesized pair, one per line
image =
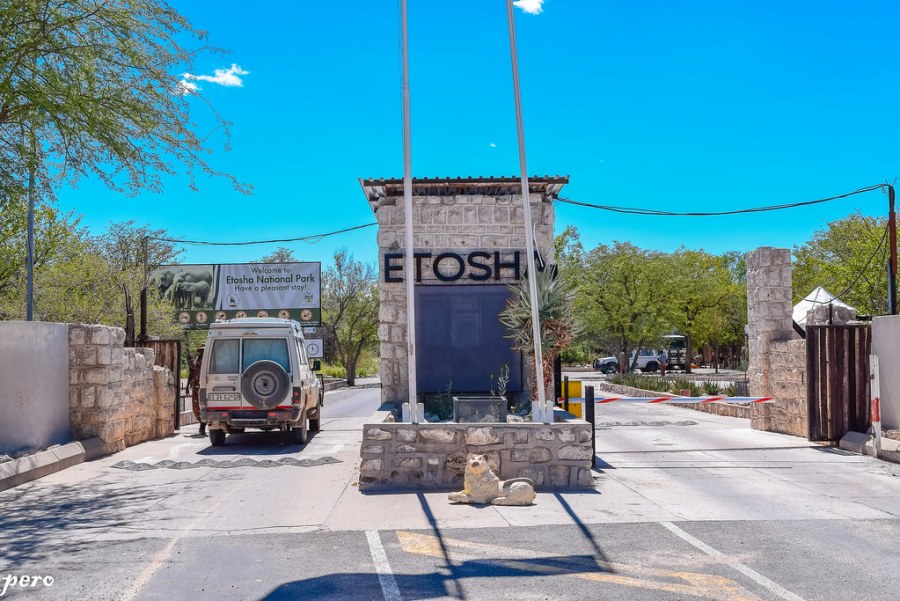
(558, 327)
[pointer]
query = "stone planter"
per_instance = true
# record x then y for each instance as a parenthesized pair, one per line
(433, 456)
(479, 409)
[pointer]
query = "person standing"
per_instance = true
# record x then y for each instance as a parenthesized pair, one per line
(193, 384)
(663, 359)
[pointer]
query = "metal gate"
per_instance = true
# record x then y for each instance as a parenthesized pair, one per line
(168, 354)
(837, 365)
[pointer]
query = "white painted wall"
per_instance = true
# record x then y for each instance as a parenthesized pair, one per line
(34, 385)
(886, 344)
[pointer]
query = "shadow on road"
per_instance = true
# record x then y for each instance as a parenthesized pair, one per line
(436, 584)
(49, 522)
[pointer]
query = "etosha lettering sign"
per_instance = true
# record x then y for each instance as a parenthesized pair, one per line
(201, 294)
(475, 266)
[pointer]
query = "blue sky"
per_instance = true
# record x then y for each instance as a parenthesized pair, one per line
(674, 105)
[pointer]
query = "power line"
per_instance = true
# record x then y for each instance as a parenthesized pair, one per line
(313, 239)
(658, 213)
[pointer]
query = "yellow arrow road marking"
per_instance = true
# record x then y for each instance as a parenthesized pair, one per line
(707, 586)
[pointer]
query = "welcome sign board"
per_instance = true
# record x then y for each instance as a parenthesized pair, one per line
(201, 294)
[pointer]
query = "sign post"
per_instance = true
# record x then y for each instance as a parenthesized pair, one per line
(876, 402)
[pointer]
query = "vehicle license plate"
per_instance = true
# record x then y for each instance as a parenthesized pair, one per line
(223, 396)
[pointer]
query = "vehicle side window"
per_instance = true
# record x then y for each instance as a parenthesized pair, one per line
(269, 349)
(301, 348)
(225, 357)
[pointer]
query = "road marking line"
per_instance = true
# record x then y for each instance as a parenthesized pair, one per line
(163, 556)
(385, 576)
(773, 587)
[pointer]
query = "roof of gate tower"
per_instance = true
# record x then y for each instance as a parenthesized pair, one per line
(548, 186)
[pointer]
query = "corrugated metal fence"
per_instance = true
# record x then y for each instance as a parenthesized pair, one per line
(168, 354)
(837, 366)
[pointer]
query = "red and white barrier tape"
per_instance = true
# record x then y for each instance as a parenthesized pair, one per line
(682, 399)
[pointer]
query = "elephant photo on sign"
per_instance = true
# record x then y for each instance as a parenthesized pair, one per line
(187, 287)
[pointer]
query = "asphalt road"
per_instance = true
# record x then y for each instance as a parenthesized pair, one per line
(687, 506)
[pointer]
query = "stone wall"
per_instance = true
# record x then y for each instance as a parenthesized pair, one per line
(116, 394)
(556, 455)
(777, 354)
(460, 223)
(789, 414)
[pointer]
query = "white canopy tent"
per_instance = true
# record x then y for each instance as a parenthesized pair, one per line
(814, 299)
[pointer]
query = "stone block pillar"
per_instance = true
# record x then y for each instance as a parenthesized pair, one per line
(769, 310)
(774, 361)
(465, 220)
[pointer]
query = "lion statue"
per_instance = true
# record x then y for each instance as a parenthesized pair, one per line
(481, 485)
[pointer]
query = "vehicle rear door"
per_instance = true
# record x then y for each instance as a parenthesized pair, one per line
(223, 375)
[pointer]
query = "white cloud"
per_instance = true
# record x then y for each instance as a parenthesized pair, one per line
(492, 145)
(224, 77)
(532, 7)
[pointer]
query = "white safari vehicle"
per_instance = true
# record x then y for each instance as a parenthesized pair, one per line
(256, 374)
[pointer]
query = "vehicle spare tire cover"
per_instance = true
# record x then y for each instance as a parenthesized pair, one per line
(265, 384)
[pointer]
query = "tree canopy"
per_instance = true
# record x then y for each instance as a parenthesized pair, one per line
(848, 257)
(703, 290)
(85, 278)
(624, 295)
(91, 88)
(350, 309)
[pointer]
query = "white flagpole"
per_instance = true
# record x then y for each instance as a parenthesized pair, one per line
(539, 413)
(407, 200)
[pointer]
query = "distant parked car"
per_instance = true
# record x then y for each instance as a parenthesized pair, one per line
(606, 365)
(646, 360)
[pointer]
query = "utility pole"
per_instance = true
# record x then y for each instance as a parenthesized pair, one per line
(892, 262)
(145, 249)
(29, 278)
(538, 413)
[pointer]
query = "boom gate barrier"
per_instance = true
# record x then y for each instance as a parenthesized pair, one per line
(590, 402)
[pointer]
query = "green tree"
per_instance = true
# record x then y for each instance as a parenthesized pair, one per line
(280, 255)
(702, 284)
(625, 295)
(848, 258)
(86, 277)
(50, 227)
(570, 255)
(91, 88)
(723, 325)
(350, 309)
(557, 322)
(123, 245)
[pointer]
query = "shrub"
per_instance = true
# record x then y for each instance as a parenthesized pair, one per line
(333, 370)
(679, 384)
(711, 388)
(638, 381)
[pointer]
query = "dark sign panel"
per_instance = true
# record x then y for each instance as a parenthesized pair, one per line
(460, 340)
